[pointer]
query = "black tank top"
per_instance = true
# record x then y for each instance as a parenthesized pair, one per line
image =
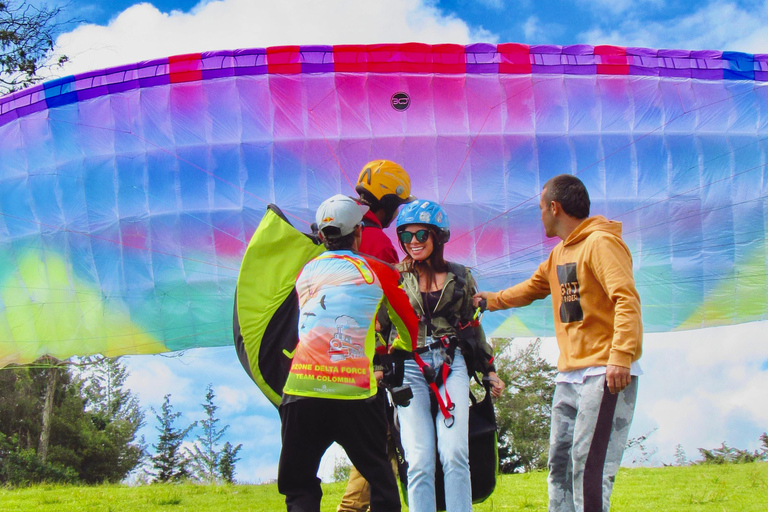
(430, 300)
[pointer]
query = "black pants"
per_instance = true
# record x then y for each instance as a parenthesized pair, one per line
(310, 426)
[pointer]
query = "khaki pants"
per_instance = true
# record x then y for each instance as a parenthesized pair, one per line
(357, 497)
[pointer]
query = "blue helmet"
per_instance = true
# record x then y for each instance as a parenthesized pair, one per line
(423, 211)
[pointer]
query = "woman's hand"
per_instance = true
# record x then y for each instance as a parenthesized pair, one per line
(497, 385)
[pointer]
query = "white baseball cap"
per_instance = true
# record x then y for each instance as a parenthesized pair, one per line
(340, 212)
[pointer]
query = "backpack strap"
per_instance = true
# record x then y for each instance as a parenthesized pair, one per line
(466, 329)
(460, 272)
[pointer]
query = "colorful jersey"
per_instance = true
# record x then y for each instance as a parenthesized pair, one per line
(339, 294)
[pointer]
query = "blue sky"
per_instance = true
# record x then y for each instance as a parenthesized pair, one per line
(120, 32)
(699, 389)
(652, 23)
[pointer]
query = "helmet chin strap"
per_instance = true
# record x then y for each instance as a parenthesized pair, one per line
(387, 221)
(390, 213)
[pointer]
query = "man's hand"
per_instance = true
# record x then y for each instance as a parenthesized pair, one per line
(617, 378)
(379, 374)
(479, 296)
(497, 385)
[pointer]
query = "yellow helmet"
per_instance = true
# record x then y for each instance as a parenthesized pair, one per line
(384, 181)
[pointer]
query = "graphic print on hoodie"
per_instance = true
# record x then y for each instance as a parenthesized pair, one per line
(570, 305)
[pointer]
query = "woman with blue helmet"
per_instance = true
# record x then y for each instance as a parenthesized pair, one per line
(441, 294)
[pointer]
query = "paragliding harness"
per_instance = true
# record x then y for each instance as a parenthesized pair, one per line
(483, 439)
(466, 339)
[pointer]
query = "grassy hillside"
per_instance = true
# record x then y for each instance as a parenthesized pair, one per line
(731, 488)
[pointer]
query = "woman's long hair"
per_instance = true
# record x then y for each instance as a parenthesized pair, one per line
(430, 267)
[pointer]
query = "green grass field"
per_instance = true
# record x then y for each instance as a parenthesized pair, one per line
(729, 488)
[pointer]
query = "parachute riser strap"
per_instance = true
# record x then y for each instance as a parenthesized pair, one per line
(467, 328)
(449, 345)
(477, 358)
(447, 405)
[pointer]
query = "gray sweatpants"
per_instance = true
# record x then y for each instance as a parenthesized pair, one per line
(589, 431)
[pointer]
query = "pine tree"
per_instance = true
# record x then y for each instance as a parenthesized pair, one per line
(205, 455)
(680, 457)
(104, 388)
(116, 414)
(227, 462)
(169, 462)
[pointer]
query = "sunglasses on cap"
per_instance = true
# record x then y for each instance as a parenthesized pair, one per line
(421, 235)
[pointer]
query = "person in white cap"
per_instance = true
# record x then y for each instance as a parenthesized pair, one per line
(330, 394)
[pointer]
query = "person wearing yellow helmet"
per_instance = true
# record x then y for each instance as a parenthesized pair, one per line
(383, 186)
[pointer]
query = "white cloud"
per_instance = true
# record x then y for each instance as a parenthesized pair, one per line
(153, 378)
(267, 427)
(231, 400)
(716, 26)
(532, 29)
(702, 388)
(328, 462)
(142, 32)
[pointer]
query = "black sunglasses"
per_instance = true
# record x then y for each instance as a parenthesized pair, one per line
(421, 235)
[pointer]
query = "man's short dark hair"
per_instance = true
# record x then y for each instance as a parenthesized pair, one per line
(570, 192)
(334, 242)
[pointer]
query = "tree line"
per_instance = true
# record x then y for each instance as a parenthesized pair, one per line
(75, 422)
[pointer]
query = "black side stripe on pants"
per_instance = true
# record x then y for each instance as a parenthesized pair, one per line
(593, 469)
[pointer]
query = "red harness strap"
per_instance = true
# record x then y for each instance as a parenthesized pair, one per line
(445, 405)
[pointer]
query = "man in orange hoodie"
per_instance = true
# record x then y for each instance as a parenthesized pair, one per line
(599, 334)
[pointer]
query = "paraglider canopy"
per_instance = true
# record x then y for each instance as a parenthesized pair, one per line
(128, 195)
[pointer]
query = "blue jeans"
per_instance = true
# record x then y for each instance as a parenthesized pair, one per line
(420, 433)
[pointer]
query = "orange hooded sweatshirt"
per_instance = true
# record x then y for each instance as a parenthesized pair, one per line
(596, 305)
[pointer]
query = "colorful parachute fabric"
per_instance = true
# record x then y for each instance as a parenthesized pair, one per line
(128, 195)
